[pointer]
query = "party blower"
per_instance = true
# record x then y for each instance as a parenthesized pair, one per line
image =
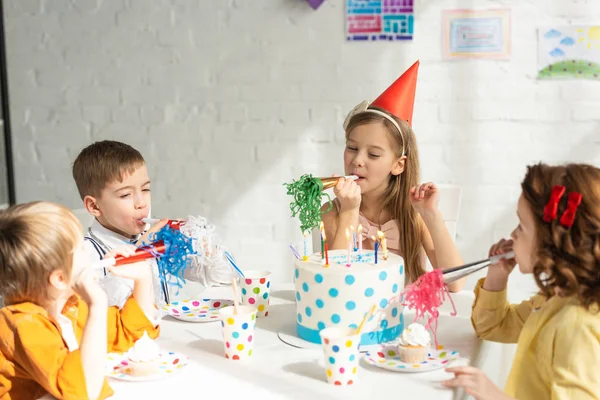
(430, 290)
(307, 192)
(453, 274)
(153, 250)
(173, 223)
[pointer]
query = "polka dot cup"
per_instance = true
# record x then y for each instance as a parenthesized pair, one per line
(255, 290)
(238, 331)
(340, 347)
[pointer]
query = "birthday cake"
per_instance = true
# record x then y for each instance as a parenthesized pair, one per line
(341, 294)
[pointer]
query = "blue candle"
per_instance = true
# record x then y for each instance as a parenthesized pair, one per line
(376, 248)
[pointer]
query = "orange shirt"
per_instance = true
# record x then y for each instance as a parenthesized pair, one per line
(35, 360)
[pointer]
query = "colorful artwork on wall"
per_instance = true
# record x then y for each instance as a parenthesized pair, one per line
(379, 20)
(476, 34)
(569, 52)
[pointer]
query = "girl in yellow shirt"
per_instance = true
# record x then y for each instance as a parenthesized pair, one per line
(56, 327)
(558, 330)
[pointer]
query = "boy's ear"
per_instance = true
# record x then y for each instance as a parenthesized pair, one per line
(91, 205)
(399, 165)
(57, 280)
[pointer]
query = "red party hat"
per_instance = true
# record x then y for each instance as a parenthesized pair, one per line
(399, 98)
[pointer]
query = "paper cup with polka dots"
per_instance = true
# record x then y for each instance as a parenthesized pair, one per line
(340, 347)
(255, 288)
(238, 331)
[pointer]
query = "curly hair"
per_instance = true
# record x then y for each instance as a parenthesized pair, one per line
(567, 259)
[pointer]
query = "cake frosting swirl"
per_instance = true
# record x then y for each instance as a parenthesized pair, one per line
(144, 350)
(415, 335)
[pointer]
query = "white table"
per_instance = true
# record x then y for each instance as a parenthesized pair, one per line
(279, 371)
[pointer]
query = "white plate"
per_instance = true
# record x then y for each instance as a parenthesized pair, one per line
(197, 310)
(117, 367)
(386, 357)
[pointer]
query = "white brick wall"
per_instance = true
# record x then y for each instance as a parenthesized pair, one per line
(229, 99)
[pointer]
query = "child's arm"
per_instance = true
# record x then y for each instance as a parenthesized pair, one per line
(139, 314)
(493, 317)
(348, 194)
(496, 320)
(143, 289)
(437, 241)
(93, 339)
(576, 358)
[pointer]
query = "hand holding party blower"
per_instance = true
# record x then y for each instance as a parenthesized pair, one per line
(307, 192)
(169, 246)
(153, 250)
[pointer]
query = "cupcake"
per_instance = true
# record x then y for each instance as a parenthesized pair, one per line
(414, 344)
(144, 357)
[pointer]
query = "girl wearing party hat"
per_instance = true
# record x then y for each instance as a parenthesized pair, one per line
(381, 150)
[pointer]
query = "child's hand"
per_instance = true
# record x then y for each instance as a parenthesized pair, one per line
(475, 383)
(504, 265)
(145, 239)
(126, 250)
(348, 193)
(85, 284)
(425, 198)
(139, 271)
(497, 274)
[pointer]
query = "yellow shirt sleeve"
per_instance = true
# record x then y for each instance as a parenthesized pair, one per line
(496, 320)
(576, 361)
(41, 353)
(127, 325)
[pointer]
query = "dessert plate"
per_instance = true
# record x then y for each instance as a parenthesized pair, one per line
(386, 357)
(117, 366)
(201, 310)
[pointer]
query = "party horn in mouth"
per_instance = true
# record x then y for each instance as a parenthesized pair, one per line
(173, 223)
(153, 250)
(330, 182)
(453, 274)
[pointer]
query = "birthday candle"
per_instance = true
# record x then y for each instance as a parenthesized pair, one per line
(383, 241)
(353, 237)
(324, 243)
(305, 246)
(360, 240)
(322, 230)
(349, 247)
(376, 247)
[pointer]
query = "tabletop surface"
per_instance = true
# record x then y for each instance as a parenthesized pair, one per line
(280, 371)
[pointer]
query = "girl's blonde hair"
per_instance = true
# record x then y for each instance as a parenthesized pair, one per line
(35, 240)
(396, 198)
(566, 258)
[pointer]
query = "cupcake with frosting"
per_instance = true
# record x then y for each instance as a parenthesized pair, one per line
(414, 344)
(144, 357)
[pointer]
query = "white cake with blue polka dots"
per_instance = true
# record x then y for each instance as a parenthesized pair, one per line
(340, 295)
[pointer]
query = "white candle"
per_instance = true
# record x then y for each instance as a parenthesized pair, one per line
(383, 241)
(349, 247)
(353, 232)
(305, 246)
(360, 239)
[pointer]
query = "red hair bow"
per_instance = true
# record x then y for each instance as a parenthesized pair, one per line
(573, 203)
(551, 209)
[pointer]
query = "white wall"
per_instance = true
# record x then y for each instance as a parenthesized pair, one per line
(228, 99)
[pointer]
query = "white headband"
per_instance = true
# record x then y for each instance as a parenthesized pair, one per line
(364, 107)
